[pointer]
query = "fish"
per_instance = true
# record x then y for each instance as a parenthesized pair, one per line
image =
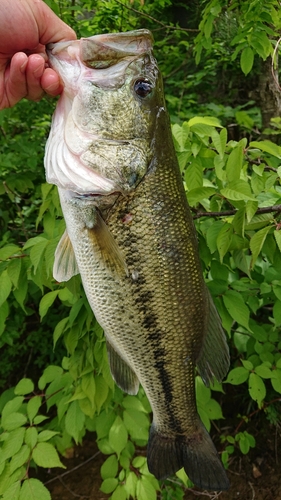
(130, 235)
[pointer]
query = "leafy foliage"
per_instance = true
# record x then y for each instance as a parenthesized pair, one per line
(232, 183)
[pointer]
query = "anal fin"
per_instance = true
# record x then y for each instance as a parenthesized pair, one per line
(213, 361)
(65, 265)
(123, 375)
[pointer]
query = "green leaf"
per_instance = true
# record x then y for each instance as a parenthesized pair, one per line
(12, 493)
(204, 120)
(198, 194)
(88, 386)
(119, 493)
(237, 191)
(257, 242)
(277, 236)
(137, 424)
(109, 468)
(235, 161)
(263, 371)
(36, 253)
(219, 141)
(236, 307)
(14, 269)
(257, 388)
(5, 286)
(31, 436)
(101, 391)
(237, 375)
(212, 235)
(13, 421)
(224, 239)
(109, 485)
(46, 435)
(145, 489)
(52, 372)
(33, 489)
(59, 329)
(267, 147)
(74, 420)
(118, 436)
(24, 386)
(251, 208)
(13, 444)
(45, 455)
(247, 60)
(46, 302)
(276, 380)
(194, 175)
(20, 458)
(33, 406)
(277, 312)
(12, 406)
(9, 250)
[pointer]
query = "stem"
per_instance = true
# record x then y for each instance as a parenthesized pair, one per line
(156, 20)
(263, 210)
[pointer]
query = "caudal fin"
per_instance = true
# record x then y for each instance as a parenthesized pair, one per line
(196, 453)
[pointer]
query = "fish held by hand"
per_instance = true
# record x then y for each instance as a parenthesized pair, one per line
(130, 234)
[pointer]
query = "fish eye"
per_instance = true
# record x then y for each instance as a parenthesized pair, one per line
(142, 87)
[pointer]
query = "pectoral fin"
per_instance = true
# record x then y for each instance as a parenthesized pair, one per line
(110, 253)
(213, 361)
(123, 375)
(65, 265)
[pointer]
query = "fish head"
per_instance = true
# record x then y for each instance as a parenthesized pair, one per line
(101, 140)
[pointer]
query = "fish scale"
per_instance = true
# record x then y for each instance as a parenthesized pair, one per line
(135, 246)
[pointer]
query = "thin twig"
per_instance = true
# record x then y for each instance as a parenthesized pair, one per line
(156, 20)
(253, 491)
(73, 469)
(265, 405)
(263, 210)
(272, 63)
(77, 495)
(212, 496)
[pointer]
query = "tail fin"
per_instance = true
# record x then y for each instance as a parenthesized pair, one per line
(197, 454)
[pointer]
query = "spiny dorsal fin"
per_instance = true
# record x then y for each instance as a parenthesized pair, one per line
(111, 254)
(213, 361)
(65, 265)
(123, 375)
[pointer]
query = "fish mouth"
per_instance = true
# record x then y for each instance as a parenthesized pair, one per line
(103, 51)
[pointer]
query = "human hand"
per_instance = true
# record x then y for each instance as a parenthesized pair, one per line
(26, 27)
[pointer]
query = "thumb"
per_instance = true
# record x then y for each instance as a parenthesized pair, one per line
(50, 27)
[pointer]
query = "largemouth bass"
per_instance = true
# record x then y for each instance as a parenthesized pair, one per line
(130, 234)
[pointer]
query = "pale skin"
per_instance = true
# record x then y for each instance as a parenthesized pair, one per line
(26, 27)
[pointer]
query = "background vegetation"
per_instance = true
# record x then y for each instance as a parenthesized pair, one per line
(219, 61)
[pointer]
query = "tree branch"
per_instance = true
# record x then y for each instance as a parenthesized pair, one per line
(263, 210)
(166, 26)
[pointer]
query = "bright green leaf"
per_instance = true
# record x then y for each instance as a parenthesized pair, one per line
(257, 388)
(24, 386)
(45, 455)
(118, 435)
(33, 489)
(247, 60)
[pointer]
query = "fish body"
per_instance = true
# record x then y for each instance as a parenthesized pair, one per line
(130, 234)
